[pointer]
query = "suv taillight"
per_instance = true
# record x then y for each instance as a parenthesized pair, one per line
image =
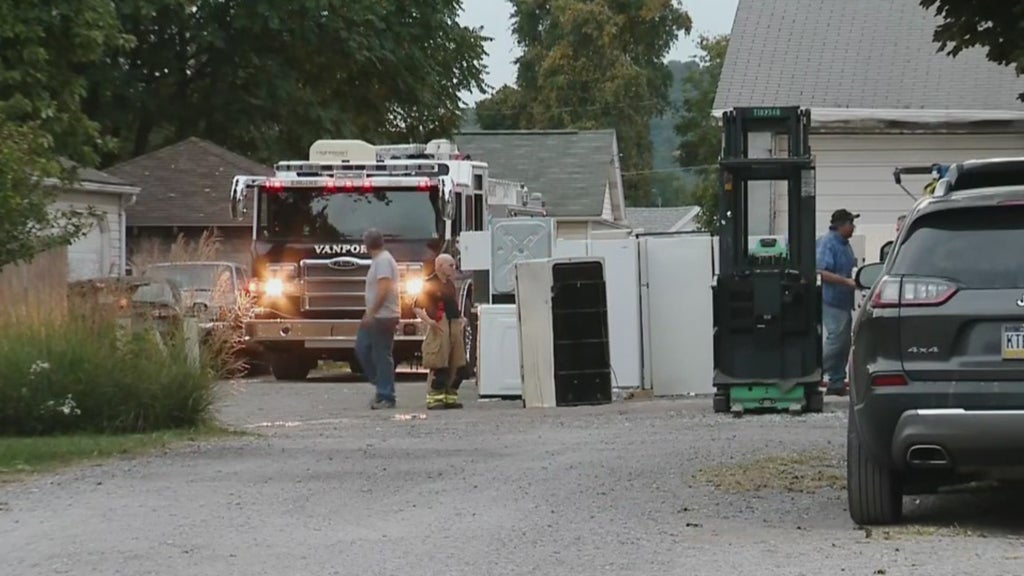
(894, 292)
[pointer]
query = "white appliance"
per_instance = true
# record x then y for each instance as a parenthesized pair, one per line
(622, 273)
(677, 314)
(498, 369)
(563, 335)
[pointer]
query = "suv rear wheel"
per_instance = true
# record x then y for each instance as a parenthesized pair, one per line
(874, 494)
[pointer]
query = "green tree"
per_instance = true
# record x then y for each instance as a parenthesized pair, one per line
(700, 137)
(599, 64)
(990, 24)
(503, 110)
(266, 78)
(46, 47)
(29, 178)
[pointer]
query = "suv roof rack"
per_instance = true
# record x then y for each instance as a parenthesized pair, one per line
(981, 173)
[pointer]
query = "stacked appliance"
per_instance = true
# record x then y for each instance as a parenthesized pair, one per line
(562, 307)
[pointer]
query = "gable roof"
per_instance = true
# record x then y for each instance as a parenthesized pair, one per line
(91, 175)
(667, 219)
(92, 180)
(185, 184)
(862, 54)
(570, 168)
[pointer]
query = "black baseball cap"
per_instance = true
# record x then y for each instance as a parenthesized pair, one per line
(842, 216)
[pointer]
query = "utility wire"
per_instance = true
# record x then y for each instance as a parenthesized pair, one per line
(618, 106)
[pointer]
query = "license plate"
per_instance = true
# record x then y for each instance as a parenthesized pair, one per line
(1013, 342)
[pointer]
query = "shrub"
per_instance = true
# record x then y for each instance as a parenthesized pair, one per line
(87, 373)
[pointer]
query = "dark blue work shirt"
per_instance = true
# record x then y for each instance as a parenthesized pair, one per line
(835, 255)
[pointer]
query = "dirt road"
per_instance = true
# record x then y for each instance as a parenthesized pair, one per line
(324, 486)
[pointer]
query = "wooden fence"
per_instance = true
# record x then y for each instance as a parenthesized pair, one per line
(37, 290)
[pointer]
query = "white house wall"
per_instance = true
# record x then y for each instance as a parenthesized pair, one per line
(107, 208)
(856, 172)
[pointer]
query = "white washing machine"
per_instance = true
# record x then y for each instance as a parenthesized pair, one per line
(498, 368)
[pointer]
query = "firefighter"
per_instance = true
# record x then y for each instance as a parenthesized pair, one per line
(444, 352)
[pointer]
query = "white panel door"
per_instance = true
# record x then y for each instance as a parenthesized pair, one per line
(856, 172)
(677, 313)
(88, 256)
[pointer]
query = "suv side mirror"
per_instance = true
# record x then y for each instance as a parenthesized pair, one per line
(884, 252)
(868, 274)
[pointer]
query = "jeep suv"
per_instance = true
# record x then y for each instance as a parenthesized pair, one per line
(937, 365)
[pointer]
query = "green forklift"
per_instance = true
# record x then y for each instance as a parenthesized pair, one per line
(767, 300)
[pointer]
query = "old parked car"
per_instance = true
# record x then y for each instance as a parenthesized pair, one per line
(937, 367)
(141, 301)
(217, 293)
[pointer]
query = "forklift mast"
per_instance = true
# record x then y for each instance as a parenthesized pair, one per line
(767, 301)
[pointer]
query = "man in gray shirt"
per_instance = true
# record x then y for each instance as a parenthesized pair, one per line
(376, 336)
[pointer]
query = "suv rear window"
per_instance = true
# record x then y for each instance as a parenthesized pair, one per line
(979, 248)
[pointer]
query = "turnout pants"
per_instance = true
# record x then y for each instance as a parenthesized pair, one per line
(444, 354)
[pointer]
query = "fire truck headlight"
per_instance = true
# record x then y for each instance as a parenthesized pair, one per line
(413, 286)
(273, 287)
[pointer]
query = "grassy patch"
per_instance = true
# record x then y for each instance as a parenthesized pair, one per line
(804, 472)
(21, 456)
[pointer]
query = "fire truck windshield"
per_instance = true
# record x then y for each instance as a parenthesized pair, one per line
(304, 215)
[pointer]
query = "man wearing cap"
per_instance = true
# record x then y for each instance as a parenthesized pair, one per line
(836, 261)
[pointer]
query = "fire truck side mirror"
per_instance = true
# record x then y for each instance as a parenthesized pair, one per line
(447, 199)
(239, 196)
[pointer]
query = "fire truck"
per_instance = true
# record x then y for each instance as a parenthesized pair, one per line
(308, 259)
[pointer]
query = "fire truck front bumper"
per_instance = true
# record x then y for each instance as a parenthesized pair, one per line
(321, 333)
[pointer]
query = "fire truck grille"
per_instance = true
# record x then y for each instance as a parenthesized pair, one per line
(327, 287)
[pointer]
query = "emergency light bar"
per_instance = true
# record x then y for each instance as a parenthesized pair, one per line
(312, 169)
(352, 184)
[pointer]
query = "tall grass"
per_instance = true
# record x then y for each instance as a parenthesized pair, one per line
(94, 370)
(151, 250)
(224, 343)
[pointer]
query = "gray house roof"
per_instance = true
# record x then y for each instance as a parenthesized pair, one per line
(670, 219)
(855, 54)
(185, 184)
(94, 180)
(569, 168)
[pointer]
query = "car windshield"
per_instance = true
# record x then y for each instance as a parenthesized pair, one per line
(193, 276)
(976, 247)
(154, 293)
(314, 216)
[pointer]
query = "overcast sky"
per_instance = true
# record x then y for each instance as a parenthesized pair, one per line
(709, 16)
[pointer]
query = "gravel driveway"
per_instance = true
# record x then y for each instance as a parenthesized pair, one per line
(652, 487)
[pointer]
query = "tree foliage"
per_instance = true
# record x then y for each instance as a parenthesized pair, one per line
(994, 25)
(100, 81)
(503, 110)
(46, 46)
(266, 78)
(700, 136)
(29, 175)
(593, 65)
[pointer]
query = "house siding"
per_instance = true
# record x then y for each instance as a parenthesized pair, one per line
(856, 172)
(108, 209)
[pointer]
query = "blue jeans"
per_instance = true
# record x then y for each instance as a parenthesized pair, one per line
(838, 324)
(373, 348)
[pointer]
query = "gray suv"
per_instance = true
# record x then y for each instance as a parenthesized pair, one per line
(937, 367)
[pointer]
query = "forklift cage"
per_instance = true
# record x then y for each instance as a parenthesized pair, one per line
(767, 310)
